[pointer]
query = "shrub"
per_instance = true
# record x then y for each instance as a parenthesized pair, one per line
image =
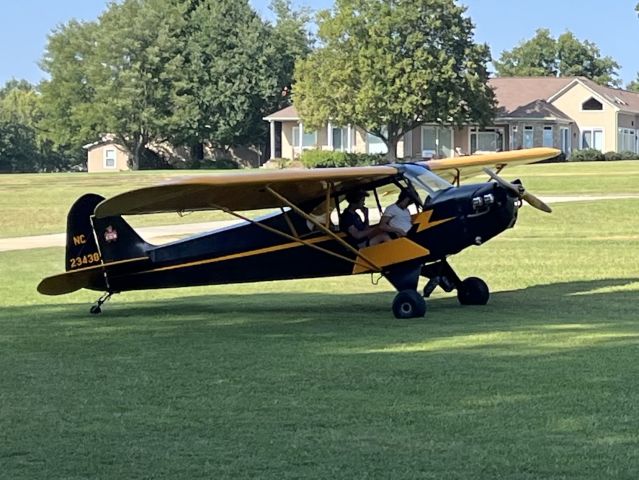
(362, 159)
(628, 155)
(586, 155)
(281, 162)
(609, 156)
(224, 164)
(326, 158)
(557, 159)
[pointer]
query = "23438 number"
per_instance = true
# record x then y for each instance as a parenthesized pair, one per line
(89, 259)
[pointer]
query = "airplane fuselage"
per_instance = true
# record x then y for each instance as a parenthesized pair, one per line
(450, 221)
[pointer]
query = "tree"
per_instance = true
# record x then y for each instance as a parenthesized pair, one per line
(227, 74)
(24, 147)
(290, 41)
(138, 59)
(634, 85)
(20, 103)
(18, 148)
(183, 71)
(566, 56)
(68, 96)
(115, 76)
(390, 66)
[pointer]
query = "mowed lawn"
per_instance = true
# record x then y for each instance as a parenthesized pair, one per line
(316, 379)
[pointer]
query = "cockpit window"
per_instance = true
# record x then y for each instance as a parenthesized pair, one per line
(423, 180)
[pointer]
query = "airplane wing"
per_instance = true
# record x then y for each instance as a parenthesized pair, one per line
(461, 168)
(241, 191)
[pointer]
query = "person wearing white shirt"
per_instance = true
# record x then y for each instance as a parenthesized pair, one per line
(396, 219)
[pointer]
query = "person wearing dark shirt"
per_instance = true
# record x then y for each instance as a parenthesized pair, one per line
(357, 227)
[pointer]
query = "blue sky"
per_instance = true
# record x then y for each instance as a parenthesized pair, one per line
(612, 25)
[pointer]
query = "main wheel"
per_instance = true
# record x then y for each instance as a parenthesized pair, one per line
(95, 310)
(473, 291)
(409, 304)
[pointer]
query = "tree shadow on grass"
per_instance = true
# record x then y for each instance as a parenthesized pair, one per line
(489, 391)
(566, 307)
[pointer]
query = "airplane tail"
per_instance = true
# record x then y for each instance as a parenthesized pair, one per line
(82, 250)
(115, 238)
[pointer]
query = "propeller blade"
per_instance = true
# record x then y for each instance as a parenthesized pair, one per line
(536, 202)
(519, 190)
(504, 183)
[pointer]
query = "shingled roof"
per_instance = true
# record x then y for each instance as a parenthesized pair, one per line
(526, 97)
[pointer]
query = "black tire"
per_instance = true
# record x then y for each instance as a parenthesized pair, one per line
(409, 304)
(473, 291)
(95, 310)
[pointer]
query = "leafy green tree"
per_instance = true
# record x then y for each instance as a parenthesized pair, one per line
(227, 74)
(183, 71)
(25, 148)
(536, 57)
(18, 148)
(114, 76)
(391, 66)
(633, 86)
(20, 103)
(68, 96)
(290, 41)
(566, 56)
(135, 64)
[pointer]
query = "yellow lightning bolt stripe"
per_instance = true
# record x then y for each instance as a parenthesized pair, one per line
(424, 222)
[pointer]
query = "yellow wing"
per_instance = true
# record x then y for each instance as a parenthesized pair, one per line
(460, 168)
(244, 191)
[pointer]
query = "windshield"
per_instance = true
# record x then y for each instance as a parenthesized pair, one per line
(423, 180)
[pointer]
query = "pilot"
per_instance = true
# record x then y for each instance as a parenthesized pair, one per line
(357, 227)
(396, 220)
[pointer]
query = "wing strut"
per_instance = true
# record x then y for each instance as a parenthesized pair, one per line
(291, 237)
(324, 229)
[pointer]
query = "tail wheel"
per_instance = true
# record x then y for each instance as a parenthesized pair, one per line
(409, 304)
(473, 291)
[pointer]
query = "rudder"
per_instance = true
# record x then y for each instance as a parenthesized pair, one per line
(82, 250)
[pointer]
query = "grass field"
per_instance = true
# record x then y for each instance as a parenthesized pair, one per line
(316, 379)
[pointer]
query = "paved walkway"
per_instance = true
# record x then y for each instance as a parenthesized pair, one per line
(166, 233)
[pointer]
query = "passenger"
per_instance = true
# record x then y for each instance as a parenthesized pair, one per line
(396, 220)
(355, 226)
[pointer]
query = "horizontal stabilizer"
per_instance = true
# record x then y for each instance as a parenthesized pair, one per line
(92, 277)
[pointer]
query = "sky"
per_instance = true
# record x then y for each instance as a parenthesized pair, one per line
(612, 25)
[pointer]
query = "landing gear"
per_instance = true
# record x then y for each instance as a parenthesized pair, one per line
(471, 291)
(97, 308)
(409, 304)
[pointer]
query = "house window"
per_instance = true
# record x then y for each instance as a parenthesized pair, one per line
(309, 139)
(376, 145)
(565, 140)
(592, 104)
(528, 136)
(547, 140)
(626, 140)
(438, 140)
(109, 158)
(486, 139)
(340, 138)
(592, 138)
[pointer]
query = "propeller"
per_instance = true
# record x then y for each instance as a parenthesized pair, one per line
(519, 190)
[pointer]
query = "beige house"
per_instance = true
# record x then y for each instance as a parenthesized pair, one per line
(566, 113)
(106, 156)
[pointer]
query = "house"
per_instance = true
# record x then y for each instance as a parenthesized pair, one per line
(567, 113)
(106, 155)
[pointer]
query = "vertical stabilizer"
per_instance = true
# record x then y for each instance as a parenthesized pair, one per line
(82, 251)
